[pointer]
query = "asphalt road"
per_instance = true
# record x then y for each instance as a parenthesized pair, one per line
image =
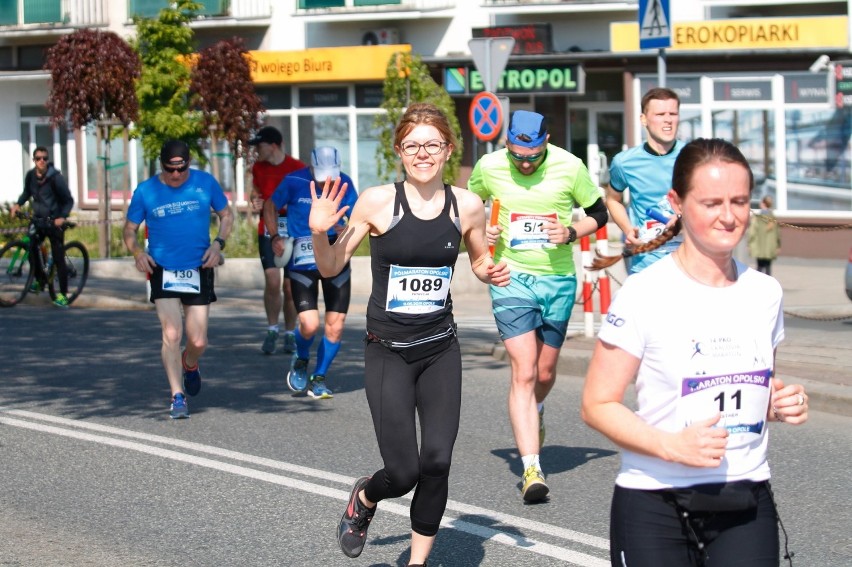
(94, 473)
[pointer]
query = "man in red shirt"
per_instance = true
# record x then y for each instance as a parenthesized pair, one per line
(271, 166)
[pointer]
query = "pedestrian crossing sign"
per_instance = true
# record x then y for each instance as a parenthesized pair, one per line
(655, 30)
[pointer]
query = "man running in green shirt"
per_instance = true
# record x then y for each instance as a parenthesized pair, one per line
(538, 186)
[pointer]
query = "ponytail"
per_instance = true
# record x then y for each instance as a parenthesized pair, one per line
(603, 262)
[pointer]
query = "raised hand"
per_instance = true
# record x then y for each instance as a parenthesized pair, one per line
(324, 207)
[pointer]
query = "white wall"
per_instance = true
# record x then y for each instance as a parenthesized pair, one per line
(15, 91)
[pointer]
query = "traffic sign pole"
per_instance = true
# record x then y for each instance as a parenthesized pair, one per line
(490, 55)
(655, 31)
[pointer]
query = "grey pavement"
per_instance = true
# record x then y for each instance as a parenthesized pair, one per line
(816, 351)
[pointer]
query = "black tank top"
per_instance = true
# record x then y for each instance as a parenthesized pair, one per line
(413, 242)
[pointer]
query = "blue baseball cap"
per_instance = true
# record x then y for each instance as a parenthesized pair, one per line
(531, 125)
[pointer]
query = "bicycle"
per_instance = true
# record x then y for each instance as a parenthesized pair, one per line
(17, 277)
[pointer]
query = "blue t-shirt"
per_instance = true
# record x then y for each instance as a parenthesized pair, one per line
(294, 192)
(178, 218)
(649, 178)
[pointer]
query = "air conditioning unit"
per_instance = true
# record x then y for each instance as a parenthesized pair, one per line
(380, 36)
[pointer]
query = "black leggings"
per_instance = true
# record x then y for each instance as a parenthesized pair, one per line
(646, 531)
(394, 390)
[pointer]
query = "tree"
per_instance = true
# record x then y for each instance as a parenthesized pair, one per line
(223, 91)
(92, 76)
(408, 80)
(165, 46)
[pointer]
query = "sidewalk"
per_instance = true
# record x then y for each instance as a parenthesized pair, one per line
(816, 355)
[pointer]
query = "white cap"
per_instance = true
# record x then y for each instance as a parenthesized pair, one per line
(281, 261)
(325, 161)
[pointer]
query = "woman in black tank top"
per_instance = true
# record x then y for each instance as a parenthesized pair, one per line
(412, 362)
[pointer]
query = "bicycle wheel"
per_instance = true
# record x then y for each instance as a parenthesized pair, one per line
(77, 261)
(15, 273)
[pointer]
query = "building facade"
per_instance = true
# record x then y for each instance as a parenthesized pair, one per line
(770, 75)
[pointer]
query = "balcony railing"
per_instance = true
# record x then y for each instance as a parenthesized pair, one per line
(210, 8)
(389, 4)
(73, 13)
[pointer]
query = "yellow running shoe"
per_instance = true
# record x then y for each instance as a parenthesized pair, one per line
(534, 488)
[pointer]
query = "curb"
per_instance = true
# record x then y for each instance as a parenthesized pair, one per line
(830, 398)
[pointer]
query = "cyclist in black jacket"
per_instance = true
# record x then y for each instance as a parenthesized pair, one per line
(51, 204)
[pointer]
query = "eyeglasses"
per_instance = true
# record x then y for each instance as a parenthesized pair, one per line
(40, 158)
(530, 158)
(432, 147)
(176, 168)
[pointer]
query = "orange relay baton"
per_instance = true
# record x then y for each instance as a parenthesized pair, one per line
(495, 214)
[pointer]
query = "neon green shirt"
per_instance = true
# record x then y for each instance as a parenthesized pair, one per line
(561, 183)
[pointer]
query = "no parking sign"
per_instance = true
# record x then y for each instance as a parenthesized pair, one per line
(486, 116)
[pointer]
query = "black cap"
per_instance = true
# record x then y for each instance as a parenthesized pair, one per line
(174, 149)
(267, 135)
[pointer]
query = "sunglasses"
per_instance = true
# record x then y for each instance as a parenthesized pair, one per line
(179, 168)
(531, 158)
(40, 158)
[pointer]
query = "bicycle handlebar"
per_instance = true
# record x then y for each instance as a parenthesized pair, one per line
(28, 216)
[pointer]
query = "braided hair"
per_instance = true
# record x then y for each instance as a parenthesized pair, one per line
(696, 153)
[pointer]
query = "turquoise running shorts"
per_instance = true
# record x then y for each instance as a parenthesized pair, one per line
(535, 303)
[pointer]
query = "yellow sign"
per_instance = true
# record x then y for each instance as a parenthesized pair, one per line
(746, 33)
(323, 65)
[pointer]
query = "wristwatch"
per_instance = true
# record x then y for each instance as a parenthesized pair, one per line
(572, 235)
(221, 242)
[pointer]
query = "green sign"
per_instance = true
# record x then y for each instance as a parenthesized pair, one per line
(531, 79)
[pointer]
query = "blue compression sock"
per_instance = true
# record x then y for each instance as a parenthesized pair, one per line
(303, 345)
(325, 355)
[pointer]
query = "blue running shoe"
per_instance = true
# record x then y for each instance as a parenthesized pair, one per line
(318, 389)
(179, 409)
(297, 377)
(191, 377)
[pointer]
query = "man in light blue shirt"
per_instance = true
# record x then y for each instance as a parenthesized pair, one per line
(646, 171)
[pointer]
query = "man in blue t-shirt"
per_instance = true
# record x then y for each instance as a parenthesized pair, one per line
(646, 171)
(294, 192)
(175, 206)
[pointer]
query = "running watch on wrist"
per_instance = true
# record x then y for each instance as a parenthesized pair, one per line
(221, 242)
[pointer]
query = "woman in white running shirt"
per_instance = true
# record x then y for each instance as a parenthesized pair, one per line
(698, 332)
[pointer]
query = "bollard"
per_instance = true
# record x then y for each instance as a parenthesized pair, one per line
(588, 279)
(602, 246)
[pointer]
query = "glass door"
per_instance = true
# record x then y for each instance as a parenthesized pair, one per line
(596, 134)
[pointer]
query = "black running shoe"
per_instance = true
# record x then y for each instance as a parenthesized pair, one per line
(191, 378)
(352, 530)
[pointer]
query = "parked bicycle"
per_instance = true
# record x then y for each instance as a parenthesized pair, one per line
(18, 277)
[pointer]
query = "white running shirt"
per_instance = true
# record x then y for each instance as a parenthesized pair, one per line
(703, 350)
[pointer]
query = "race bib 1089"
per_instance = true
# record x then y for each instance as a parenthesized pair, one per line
(417, 290)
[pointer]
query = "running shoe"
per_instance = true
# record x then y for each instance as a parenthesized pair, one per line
(297, 377)
(534, 488)
(352, 530)
(179, 409)
(289, 342)
(191, 377)
(35, 287)
(318, 389)
(61, 301)
(541, 429)
(269, 342)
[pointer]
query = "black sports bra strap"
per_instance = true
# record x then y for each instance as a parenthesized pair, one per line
(450, 201)
(400, 199)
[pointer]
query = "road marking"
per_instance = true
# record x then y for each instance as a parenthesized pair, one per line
(492, 534)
